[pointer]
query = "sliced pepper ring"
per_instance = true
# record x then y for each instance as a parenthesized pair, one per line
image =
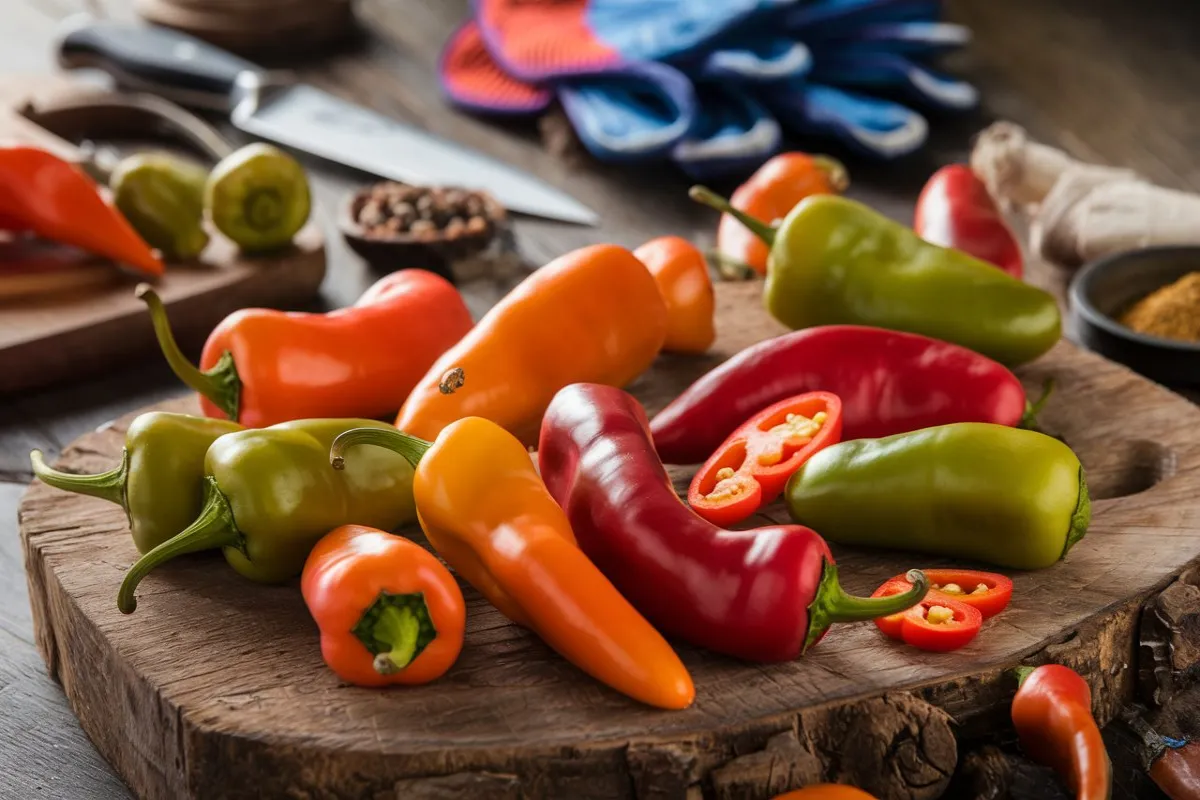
(752, 466)
(938, 623)
(990, 592)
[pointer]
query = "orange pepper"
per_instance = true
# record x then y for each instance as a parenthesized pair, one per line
(682, 276)
(488, 514)
(388, 611)
(826, 791)
(769, 195)
(594, 315)
(41, 193)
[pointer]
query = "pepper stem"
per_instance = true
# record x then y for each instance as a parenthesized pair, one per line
(410, 447)
(395, 628)
(832, 604)
(1082, 516)
(1029, 418)
(1023, 674)
(835, 172)
(221, 384)
(730, 268)
(706, 196)
(108, 486)
(213, 528)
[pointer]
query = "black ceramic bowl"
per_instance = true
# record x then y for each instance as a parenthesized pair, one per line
(1105, 289)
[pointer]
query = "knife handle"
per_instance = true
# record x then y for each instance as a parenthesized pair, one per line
(153, 59)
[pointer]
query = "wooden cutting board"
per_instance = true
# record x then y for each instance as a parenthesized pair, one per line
(215, 686)
(61, 335)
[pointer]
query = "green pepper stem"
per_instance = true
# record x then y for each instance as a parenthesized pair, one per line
(213, 528)
(730, 268)
(108, 486)
(410, 447)
(1029, 419)
(1082, 516)
(398, 627)
(1023, 674)
(835, 172)
(831, 603)
(221, 384)
(706, 196)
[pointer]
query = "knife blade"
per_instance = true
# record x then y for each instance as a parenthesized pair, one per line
(270, 106)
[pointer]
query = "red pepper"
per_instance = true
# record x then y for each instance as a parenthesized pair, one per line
(955, 210)
(1052, 712)
(964, 586)
(889, 382)
(42, 194)
(262, 367)
(764, 595)
(750, 469)
(915, 627)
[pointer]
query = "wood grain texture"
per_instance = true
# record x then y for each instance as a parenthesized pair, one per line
(195, 696)
(51, 337)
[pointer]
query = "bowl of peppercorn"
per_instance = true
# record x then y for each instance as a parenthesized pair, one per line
(396, 226)
(1142, 308)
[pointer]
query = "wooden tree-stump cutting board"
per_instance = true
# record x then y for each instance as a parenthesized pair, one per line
(67, 334)
(215, 687)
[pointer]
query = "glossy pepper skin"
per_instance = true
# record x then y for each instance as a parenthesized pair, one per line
(262, 367)
(43, 194)
(889, 382)
(1052, 712)
(487, 513)
(160, 480)
(1173, 764)
(269, 496)
(681, 273)
(955, 210)
(778, 585)
(1005, 496)
(388, 610)
(826, 791)
(769, 195)
(836, 261)
(594, 315)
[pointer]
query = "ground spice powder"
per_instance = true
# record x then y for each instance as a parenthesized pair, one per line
(1172, 312)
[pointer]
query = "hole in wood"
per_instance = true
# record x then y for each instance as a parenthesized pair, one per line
(1124, 467)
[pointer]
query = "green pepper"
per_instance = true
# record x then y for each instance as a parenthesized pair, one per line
(162, 196)
(1011, 497)
(269, 496)
(836, 261)
(259, 197)
(159, 481)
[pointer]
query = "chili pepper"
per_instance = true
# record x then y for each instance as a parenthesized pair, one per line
(987, 592)
(769, 195)
(388, 611)
(1052, 712)
(41, 193)
(1173, 764)
(262, 367)
(763, 595)
(826, 791)
(939, 623)
(162, 196)
(269, 496)
(753, 465)
(487, 513)
(593, 315)
(834, 260)
(889, 382)
(1005, 496)
(258, 196)
(955, 210)
(682, 276)
(160, 480)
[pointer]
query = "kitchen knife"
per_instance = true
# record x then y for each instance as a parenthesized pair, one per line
(265, 105)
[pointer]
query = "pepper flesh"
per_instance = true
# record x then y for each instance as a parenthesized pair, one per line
(349, 578)
(888, 382)
(593, 315)
(681, 273)
(160, 480)
(269, 496)
(41, 193)
(955, 210)
(988, 592)
(487, 513)
(1052, 712)
(836, 261)
(769, 194)
(938, 623)
(751, 467)
(263, 367)
(598, 462)
(1005, 496)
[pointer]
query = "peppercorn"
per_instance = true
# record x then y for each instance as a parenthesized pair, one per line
(1171, 312)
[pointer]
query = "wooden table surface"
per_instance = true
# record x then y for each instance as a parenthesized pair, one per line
(1106, 79)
